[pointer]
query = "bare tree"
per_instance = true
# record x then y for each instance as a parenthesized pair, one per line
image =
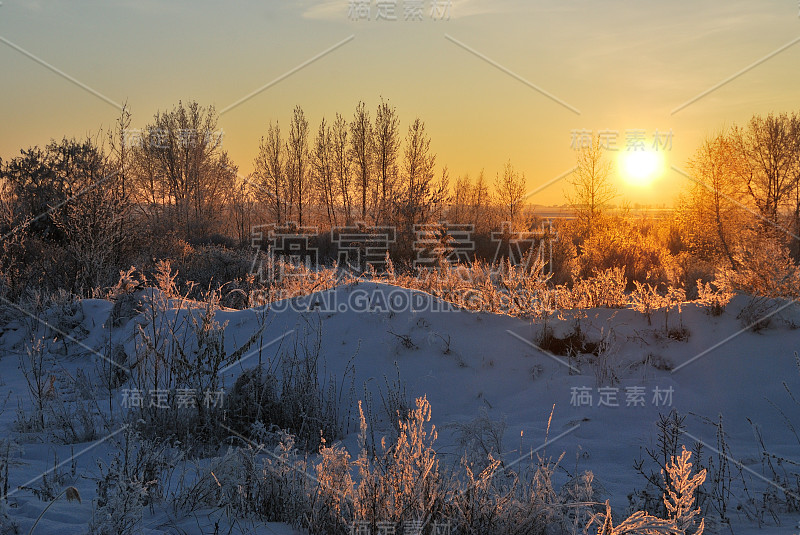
(269, 172)
(341, 165)
(243, 207)
(460, 209)
(767, 149)
(795, 185)
(713, 216)
(386, 142)
(297, 147)
(592, 187)
(361, 152)
(441, 197)
(119, 150)
(471, 203)
(420, 194)
(183, 163)
(510, 192)
(324, 171)
(481, 204)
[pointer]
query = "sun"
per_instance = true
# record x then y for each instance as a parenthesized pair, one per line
(641, 167)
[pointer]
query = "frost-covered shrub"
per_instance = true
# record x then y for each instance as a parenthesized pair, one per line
(253, 398)
(782, 494)
(518, 500)
(486, 494)
(402, 482)
(7, 525)
(306, 410)
(679, 500)
(120, 504)
(712, 298)
(75, 422)
(603, 289)
(211, 266)
(579, 491)
(293, 394)
(396, 405)
(764, 268)
(332, 500)
(129, 281)
(564, 262)
(680, 496)
(137, 476)
(280, 492)
(481, 439)
(126, 296)
(64, 314)
(40, 266)
(36, 366)
(247, 483)
(760, 313)
(645, 299)
(624, 246)
(180, 352)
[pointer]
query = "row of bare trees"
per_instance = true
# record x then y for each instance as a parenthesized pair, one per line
(353, 169)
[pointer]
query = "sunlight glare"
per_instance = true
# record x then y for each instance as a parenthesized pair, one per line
(642, 167)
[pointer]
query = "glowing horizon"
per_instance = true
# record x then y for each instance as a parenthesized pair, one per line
(497, 81)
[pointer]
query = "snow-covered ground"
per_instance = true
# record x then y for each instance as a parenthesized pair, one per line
(603, 415)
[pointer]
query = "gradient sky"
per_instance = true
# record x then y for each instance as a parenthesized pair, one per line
(622, 64)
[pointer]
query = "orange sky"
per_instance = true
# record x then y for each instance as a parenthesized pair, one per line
(497, 80)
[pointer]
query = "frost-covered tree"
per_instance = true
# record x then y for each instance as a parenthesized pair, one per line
(510, 192)
(342, 166)
(592, 187)
(711, 212)
(183, 176)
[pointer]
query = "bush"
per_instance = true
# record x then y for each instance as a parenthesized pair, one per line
(274, 488)
(765, 269)
(209, 267)
(253, 398)
(603, 289)
(679, 500)
(481, 440)
(622, 245)
(712, 298)
(402, 483)
(180, 352)
(299, 400)
(7, 525)
(136, 477)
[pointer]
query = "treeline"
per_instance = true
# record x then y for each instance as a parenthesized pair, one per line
(76, 212)
(367, 170)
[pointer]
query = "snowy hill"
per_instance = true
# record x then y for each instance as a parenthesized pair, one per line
(605, 395)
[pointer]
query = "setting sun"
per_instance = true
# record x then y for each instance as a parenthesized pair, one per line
(641, 167)
(543, 224)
